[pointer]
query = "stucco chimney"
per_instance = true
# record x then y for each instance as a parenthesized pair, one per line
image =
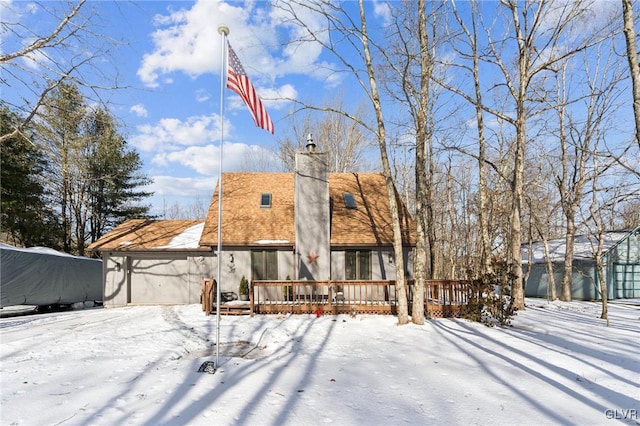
(312, 214)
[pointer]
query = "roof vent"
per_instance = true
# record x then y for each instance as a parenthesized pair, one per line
(310, 145)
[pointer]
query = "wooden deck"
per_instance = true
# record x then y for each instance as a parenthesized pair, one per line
(443, 299)
(234, 308)
(228, 305)
(446, 298)
(323, 297)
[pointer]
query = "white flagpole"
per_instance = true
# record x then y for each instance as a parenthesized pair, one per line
(224, 32)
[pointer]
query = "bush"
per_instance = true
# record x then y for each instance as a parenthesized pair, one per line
(490, 300)
(244, 286)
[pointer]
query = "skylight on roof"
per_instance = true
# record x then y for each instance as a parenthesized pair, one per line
(265, 201)
(349, 200)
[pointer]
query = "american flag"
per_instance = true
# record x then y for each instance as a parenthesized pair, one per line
(238, 81)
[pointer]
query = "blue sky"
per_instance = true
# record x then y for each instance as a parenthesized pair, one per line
(173, 117)
(169, 59)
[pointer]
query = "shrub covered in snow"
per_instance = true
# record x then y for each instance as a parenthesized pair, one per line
(490, 300)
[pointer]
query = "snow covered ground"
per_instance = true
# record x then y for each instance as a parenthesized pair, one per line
(558, 364)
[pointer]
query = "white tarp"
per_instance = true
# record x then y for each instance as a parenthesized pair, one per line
(43, 276)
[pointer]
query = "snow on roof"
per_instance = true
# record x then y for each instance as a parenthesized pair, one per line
(584, 247)
(41, 250)
(187, 239)
(272, 242)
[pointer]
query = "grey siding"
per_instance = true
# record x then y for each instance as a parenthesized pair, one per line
(622, 274)
(154, 278)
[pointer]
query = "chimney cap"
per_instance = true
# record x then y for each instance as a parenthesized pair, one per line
(310, 145)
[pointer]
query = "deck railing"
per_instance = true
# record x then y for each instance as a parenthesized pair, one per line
(446, 298)
(323, 297)
(443, 298)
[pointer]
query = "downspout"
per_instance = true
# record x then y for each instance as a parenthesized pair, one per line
(295, 264)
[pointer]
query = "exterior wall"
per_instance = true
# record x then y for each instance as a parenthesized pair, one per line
(154, 278)
(286, 260)
(231, 272)
(381, 268)
(312, 216)
(622, 273)
(115, 282)
(623, 268)
(585, 284)
(176, 277)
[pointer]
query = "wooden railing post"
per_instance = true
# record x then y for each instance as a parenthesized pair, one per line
(251, 298)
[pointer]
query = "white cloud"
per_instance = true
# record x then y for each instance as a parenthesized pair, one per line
(206, 159)
(139, 110)
(187, 40)
(36, 59)
(383, 11)
(202, 95)
(186, 187)
(170, 132)
(272, 98)
(172, 190)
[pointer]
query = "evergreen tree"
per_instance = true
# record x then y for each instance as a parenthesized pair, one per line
(115, 177)
(25, 218)
(94, 175)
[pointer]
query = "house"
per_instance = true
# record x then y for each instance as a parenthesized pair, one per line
(621, 260)
(307, 225)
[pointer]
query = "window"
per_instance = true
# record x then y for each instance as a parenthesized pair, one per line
(357, 265)
(265, 201)
(349, 201)
(264, 264)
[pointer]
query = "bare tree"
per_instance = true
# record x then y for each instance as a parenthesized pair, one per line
(355, 35)
(532, 38)
(341, 138)
(585, 104)
(410, 65)
(596, 208)
(632, 55)
(543, 212)
(44, 61)
(471, 35)
(629, 214)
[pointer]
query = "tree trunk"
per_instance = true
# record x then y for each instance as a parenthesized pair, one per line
(603, 286)
(517, 292)
(422, 142)
(632, 55)
(550, 271)
(401, 285)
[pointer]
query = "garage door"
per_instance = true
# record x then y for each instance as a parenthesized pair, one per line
(159, 281)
